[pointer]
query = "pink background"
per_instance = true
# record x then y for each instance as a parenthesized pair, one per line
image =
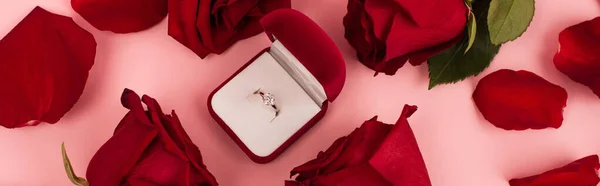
(460, 148)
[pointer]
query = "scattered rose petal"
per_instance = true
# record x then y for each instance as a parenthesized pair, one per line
(212, 26)
(44, 65)
(121, 16)
(583, 172)
(148, 148)
(578, 55)
(519, 100)
(387, 33)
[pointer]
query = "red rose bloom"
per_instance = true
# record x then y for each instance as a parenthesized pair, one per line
(212, 26)
(374, 154)
(44, 65)
(387, 33)
(121, 16)
(519, 100)
(583, 172)
(148, 148)
(578, 55)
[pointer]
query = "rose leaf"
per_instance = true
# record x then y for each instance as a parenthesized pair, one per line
(455, 64)
(508, 19)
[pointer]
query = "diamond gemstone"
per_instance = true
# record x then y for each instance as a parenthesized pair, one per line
(268, 99)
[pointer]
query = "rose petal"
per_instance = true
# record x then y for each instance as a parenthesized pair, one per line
(583, 172)
(578, 55)
(386, 34)
(374, 154)
(431, 13)
(359, 175)
(349, 151)
(206, 27)
(359, 33)
(406, 37)
(119, 155)
(44, 65)
(399, 159)
(519, 100)
(121, 16)
(148, 148)
(181, 13)
(233, 11)
(313, 168)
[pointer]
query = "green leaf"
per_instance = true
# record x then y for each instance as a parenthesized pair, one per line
(508, 19)
(70, 173)
(454, 64)
(472, 28)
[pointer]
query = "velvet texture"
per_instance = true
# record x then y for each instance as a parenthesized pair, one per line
(375, 154)
(583, 172)
(578, 55)
(148, 148)
(212, 26)
(311, 46)
(519, 100)
(387, 33)
(121, 16)
(44, 65)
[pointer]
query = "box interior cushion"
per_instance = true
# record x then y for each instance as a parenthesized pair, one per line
(310, 45)
(296, 69)
(250, 120)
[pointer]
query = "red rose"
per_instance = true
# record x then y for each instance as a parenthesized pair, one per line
(212, 26)
(387, 33)
(578, 55)
(583, 172)
(374, 154)
(519, 100)
(121, 16)
(44, 65)
(148, 148)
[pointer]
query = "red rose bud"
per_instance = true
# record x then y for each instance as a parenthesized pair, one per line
(583, 172)
(376, 154)
(578, 55)
(212, 26)
(387, 33)
(121, 16)
(519, 100)
(148, 148)
(44, 65)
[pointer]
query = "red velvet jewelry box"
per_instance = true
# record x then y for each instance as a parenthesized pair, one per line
(303, 69)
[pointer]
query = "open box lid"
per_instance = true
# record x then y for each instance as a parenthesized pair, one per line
(310, 45)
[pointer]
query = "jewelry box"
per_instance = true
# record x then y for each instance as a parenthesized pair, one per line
(303, 70)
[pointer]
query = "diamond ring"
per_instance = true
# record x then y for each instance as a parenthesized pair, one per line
(268, 99)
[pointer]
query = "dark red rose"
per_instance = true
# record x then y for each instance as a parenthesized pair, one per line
(121, 16)
(374, 154)
(148, 148)
(583, 172)
(44, 65)
(578, 55)
(387, 33)
(212, 26)
(519, 100)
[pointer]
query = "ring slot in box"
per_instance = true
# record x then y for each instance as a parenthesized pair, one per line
(303, 69)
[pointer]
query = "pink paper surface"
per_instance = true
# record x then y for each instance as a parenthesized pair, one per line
(459, 146)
